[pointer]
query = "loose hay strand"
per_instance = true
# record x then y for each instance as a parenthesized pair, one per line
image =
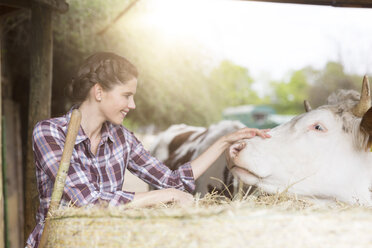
(226, 187)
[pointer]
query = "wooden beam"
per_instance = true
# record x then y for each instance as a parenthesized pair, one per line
(16, 3)
(5, 10)
(57, 5)
(2, 243)
(334, 3)
(41, 53)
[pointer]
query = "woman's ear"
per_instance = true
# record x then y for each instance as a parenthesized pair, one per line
(97, 91)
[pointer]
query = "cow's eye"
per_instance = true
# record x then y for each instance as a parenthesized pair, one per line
(318, 127)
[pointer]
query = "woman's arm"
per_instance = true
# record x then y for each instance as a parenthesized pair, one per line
(154, 172)
(206, 159)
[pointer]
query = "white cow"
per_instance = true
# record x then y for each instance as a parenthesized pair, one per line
(323, 153)
(182, 143)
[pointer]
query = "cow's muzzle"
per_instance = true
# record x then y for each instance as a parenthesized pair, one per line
(232, 153)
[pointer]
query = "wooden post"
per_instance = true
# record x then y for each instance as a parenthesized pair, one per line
(2, 244)
(41, 53)
(64, 165)
(12, 174)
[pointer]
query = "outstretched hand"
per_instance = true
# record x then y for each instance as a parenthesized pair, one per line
(246, 133)
(206, 159)
(233, 139)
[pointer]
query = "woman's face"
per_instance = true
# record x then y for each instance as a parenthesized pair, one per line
(117, 102)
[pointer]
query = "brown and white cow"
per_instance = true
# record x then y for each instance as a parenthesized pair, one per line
(324, 153)
(181, 143)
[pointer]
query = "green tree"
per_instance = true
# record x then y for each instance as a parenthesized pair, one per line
(233, 85)
(312, 85)
(289, 96)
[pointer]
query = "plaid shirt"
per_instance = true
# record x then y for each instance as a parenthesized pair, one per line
(93, 178)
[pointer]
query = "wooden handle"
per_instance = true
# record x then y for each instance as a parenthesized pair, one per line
(64, 165)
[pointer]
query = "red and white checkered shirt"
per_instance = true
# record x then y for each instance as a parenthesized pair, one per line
(93, 178)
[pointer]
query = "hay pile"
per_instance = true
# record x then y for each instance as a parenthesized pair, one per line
(265, 221)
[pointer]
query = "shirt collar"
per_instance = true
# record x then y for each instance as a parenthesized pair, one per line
(81, 136)
(106, 132)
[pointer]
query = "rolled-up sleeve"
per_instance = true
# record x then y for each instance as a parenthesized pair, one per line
(154, 172)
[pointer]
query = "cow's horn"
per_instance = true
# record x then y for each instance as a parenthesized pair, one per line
(365, 100)
(307, 106)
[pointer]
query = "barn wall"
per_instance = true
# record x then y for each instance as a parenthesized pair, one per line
(1, 157)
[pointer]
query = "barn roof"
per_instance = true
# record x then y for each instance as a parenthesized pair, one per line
(335, 3)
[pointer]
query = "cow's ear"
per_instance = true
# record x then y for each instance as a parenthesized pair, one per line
(366, 125)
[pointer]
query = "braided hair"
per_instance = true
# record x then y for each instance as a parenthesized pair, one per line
(104, 68)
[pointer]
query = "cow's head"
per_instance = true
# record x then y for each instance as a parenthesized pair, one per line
(323, 153)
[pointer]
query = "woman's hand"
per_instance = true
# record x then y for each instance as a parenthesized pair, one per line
(207, 158)
(245, 133)
(233, 139)
(180, 197)
(162, 196)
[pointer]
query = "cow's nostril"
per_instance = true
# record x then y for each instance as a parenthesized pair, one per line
(236, 148)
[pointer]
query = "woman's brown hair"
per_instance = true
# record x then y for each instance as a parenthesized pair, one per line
(104, 68)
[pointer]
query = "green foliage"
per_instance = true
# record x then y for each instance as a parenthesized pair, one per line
(312, 85)
(233, 85)
(289, 96)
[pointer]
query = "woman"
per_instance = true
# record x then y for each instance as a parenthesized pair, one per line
(104, 89)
